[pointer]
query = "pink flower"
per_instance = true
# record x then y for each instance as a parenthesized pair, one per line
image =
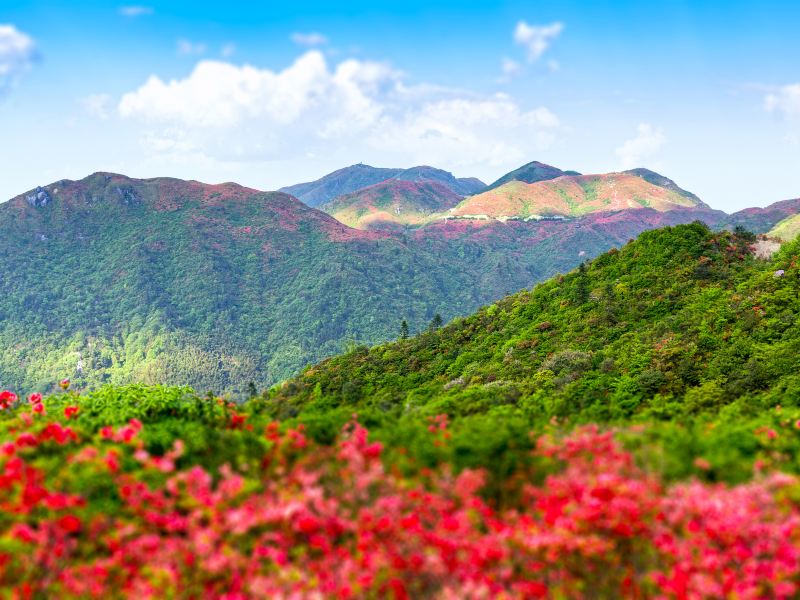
(702, 463)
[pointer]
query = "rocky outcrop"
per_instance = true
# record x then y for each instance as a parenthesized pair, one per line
(38, 198)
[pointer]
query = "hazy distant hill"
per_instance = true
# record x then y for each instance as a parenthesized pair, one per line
(356, 177)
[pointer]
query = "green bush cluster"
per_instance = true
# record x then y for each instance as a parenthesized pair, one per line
(682, 332)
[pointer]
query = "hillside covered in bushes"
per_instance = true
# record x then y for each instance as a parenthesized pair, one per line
(683, 329)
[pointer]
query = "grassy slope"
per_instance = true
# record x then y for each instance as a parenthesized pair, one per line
(573, 196)
(391, 202)
(787, 230)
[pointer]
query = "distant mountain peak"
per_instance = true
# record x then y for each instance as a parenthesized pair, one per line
(359, 176)
(531, 172)
(341, 181)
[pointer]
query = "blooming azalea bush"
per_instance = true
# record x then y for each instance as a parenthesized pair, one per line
(93, 509)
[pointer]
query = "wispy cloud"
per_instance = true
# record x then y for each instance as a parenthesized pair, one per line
(135, 11)
(189, 48)
(536, 39)
(784, 100)
(648, 141)
(509, 69)
(17, 54)
(309, 40)
(97, 105)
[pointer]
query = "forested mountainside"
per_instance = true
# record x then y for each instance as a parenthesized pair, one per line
(624, 428)
(683, 326)
(112, 279)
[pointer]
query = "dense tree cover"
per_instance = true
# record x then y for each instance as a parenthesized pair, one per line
(683, 330)
(116, 280)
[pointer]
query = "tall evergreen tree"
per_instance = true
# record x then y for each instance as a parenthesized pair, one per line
(582, 285)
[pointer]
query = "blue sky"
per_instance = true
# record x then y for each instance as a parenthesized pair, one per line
(269, 94)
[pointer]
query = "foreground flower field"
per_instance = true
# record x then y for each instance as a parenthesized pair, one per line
(147, 508)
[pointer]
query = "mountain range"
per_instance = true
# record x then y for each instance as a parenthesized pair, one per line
(356, 177)
(114, 279)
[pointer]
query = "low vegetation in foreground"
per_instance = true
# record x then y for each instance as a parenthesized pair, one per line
(156, 492)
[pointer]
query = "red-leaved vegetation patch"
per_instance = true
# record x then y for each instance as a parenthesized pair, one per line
(108, 518)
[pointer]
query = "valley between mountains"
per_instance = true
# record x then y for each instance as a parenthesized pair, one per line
(111, 279)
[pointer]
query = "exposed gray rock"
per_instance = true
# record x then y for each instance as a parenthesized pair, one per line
(127, 195)
(39, 197)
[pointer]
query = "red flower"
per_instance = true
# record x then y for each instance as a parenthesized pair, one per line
(7, 399)
(70, 411)
(69, 524)
(64, 384)
(35, 398)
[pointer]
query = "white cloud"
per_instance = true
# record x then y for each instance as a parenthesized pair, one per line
(309, 39)
(189, 48)
(784, 100)
(17, 54)
(536, 39)
(356, 108)
(97, 105)
(645, 145)
(136, 11)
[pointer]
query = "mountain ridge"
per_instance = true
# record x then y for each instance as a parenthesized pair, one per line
(177, 282)
(359, 176)
(573, 196)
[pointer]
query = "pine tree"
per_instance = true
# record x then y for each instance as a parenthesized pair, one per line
(582, 285)
(436, 323)
(404, 330)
